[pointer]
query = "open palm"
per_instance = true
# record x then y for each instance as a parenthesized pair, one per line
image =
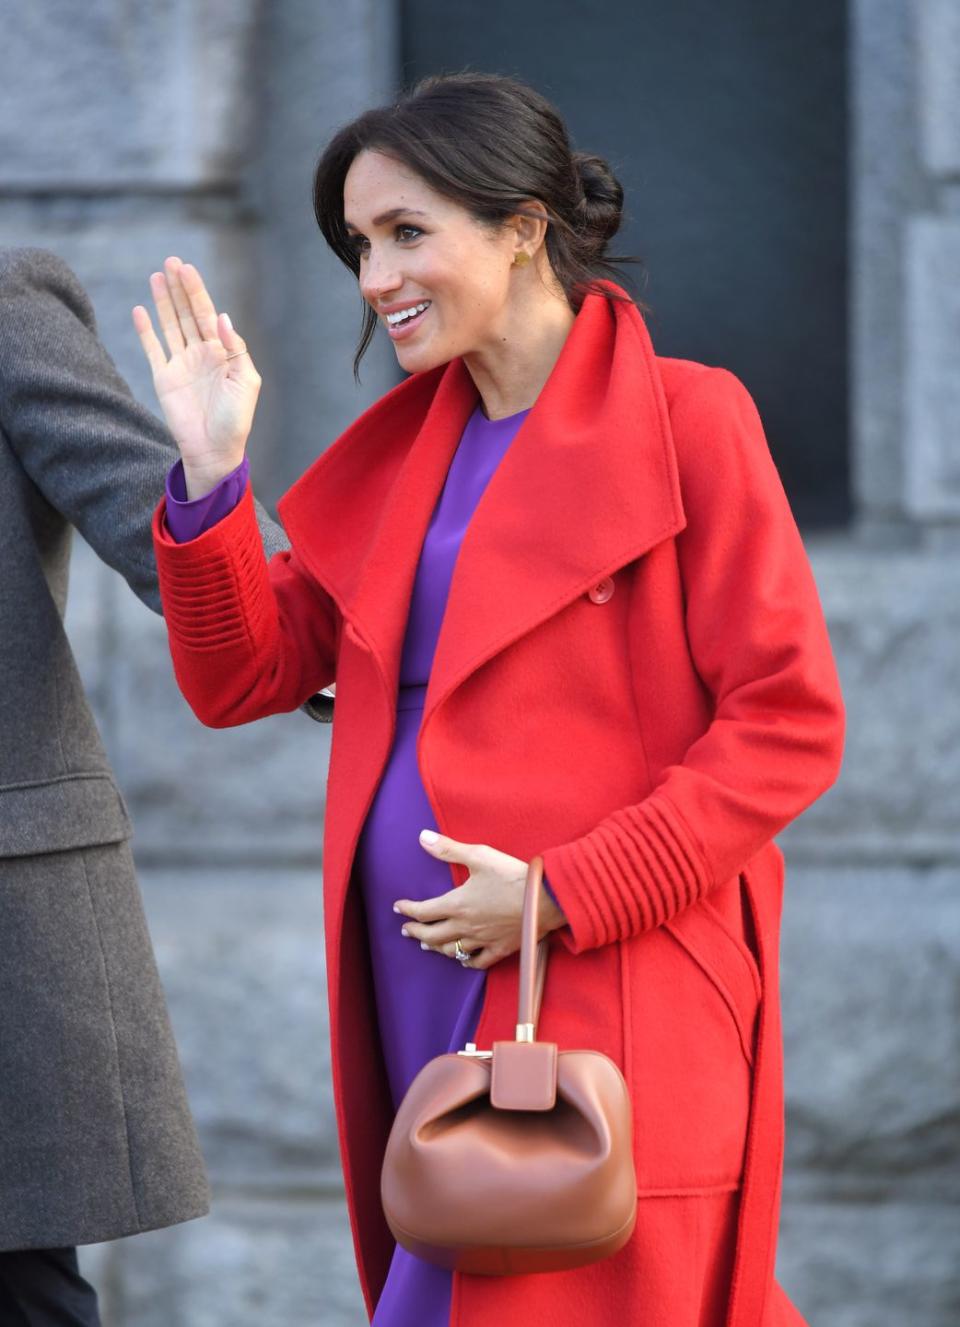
(208, 387)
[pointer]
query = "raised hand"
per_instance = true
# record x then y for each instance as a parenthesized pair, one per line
(208, 388)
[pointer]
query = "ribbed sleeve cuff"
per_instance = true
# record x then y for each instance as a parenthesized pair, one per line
(215, 588)
(632, 872)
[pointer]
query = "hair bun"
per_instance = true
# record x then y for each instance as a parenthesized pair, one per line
(602, 198)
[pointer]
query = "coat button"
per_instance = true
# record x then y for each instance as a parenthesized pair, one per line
(602, 591)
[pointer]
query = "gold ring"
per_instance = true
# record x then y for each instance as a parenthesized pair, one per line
(234, 353)
(461, 954)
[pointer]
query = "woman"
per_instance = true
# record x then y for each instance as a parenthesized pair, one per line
(615, 658)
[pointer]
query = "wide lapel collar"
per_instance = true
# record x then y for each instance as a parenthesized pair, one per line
(588, 484)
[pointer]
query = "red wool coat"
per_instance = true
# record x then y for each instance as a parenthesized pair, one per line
(649, 742)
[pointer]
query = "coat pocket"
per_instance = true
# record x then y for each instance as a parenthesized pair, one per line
(53, 815)
(726, 961)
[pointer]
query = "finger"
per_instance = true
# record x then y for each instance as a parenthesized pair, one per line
(239, 361)
(450, 951)
(429, 909)
(451, 850)
(188, 324)
(166, 313)
(434, 933)
(201, 305)
(148, 339)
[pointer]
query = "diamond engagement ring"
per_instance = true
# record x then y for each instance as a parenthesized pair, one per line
(461, 954)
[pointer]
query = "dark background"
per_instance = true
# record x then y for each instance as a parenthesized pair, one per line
(727, 126)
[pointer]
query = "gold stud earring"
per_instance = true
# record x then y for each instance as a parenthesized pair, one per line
(521, 258)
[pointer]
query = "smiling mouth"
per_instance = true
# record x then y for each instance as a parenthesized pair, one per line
(403, 325)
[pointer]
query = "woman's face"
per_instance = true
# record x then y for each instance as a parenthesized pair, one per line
(418, 248)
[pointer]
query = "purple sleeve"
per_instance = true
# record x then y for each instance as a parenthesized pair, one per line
(546, 884)
(187, 519)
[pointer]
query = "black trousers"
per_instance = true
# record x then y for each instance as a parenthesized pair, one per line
(44, 1288)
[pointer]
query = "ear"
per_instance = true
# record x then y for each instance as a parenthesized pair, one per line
(531, 226)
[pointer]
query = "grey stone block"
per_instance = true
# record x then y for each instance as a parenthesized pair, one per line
(932, 379)
(894, 622)
(252, 1263)
(870, 971)
(887, 179)
(938, 28)
(136, 96)
(242, 961)
(871, 1265)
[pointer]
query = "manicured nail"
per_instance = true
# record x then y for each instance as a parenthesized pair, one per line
(424, 945)
(396, 907)
(428, 836)
(404, 931)
(226, 319)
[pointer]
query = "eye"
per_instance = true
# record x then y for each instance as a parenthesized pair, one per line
(360, 244)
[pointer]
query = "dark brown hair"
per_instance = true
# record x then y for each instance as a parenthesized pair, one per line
(491, 144)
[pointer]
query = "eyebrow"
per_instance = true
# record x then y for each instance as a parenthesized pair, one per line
(384, 217)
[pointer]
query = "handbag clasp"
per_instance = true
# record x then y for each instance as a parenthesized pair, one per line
(471, 1050)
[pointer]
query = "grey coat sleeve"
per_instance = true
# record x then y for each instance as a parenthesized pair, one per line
(97, 455)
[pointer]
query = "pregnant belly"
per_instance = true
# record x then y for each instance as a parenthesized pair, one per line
(427, 1004)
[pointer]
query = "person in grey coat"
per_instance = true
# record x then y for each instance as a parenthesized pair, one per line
(96, 1137)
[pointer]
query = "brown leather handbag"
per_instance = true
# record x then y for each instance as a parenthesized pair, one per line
(518, 1159)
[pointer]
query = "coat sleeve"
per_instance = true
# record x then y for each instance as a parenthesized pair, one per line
(759, 642)
(97, 455)
(248, 638)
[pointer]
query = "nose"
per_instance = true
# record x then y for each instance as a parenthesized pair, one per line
(378, 277)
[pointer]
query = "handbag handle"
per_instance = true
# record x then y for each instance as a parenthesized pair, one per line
(533, 956)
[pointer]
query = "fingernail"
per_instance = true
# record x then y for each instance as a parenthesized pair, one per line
(424, 945)
(396, 907)
(428, 836)
(226, 319)
(404, 931)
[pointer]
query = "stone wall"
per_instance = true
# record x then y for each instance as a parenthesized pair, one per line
(871, 950)
(190, 127)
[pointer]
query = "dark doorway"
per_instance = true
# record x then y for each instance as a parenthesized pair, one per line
(727, 126)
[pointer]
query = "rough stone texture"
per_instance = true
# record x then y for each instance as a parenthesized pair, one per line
(135, 97)
(254, 1261)
(894, 622)
(886, 184)
(871, 966)
(932, 380)
(939, 34)
(861, 1264)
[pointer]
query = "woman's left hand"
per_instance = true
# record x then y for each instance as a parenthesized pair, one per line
(484, 913)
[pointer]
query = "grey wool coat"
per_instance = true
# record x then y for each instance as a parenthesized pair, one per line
(96, 1138)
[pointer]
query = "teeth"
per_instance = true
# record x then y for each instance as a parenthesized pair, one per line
(406, 313)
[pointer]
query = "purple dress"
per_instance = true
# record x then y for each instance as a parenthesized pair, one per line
(427, 1004)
